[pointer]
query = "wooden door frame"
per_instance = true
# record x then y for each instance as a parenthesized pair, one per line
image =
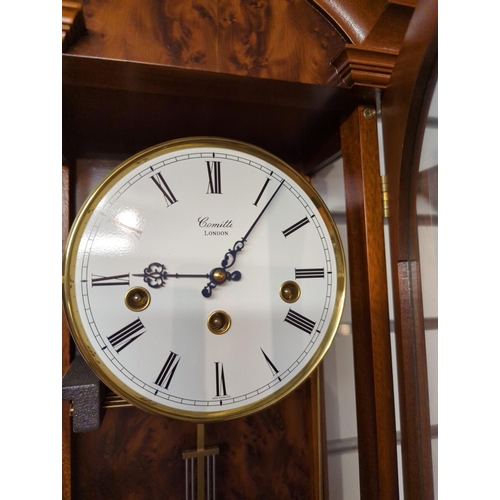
(405, 106)
(375, 411)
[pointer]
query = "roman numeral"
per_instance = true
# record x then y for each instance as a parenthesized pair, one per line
(273, 368)
(168, 370)
(164, 188)
(261, 192)
(124, 337)
(220, 380)
(313, 272)
(214, 181)
(299, 321)
(294, 227)
(118, 279)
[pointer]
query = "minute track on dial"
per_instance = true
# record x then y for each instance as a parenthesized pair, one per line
(139, 259)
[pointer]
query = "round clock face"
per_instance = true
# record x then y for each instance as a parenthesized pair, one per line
(204, 279)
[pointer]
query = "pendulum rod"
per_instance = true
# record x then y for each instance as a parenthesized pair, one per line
(199, 454)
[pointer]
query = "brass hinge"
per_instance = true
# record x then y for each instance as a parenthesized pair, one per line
(385, 196)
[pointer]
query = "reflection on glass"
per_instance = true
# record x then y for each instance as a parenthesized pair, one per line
(427, 219)
(338, 366)
(110, 242)
(128, 219)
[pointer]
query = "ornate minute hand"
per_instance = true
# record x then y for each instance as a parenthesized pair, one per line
(156, 275)
(219, 274)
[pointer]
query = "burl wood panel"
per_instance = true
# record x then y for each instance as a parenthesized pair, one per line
(134, 455)
(138, 456)
(178, 33)
(275, 39)
(251, 38)
(271, 455)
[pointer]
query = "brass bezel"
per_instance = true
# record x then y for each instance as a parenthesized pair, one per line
(73, 315)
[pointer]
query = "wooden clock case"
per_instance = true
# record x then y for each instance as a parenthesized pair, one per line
(301, 80)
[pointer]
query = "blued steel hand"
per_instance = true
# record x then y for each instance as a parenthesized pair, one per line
(230, 256)
(156, 275)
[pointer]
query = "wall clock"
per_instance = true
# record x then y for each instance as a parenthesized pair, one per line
(204, 279)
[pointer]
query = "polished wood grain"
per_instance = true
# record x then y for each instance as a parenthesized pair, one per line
(66, 440)
(272, 454)
(361, 66)
(390, 28)
(82, 71)
(89, 172)
(404, 115)
(353, 20)
(66, 350)
(261, 38)
(134, 455)
(329, 43)
(256, 38)
(178, 32)
(137, 455)
(73, 23)
(373, 31)
(360, 20)
(378, 471)
(155, 103)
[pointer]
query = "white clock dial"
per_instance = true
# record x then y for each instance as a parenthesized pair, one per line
(204, 279)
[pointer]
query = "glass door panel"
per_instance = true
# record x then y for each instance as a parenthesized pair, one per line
(427, 224)
(338, 366)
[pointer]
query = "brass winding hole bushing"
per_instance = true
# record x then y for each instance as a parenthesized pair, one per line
(219, 322)
(290, 292)
(137, 299)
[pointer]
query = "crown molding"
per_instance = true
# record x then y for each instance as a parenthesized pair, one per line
(73, 23)
(363, 66)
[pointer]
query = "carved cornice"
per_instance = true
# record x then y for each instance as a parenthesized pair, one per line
(340, 43)
(73, 23)
(373, 31)
(363, 66)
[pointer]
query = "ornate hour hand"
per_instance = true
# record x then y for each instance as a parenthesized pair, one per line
(230, 256)
(156, 275)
